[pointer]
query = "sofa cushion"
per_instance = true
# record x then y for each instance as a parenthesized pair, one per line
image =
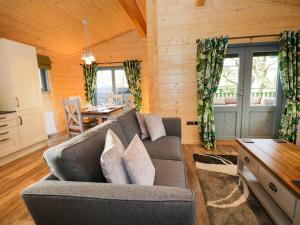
(138, 163)
(78, 159)
(155, 126)
(129, 124)
(168, 147)
(169, 173)
(111, 161)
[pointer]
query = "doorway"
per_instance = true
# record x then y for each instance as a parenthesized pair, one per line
(248, 101)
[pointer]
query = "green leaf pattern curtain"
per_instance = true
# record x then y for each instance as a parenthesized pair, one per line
(289, 70)
(132, 71)
(210, 58)
(89, 75)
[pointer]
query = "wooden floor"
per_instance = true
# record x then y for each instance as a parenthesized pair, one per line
(19, 174)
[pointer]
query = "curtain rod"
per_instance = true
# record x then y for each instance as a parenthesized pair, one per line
(254, 36)
(104, 63)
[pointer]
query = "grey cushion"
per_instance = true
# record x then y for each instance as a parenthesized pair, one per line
(168, 147)
(129, 123)
(79, 158)
(169, 173)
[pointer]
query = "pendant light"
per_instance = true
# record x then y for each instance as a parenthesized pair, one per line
(87, 55)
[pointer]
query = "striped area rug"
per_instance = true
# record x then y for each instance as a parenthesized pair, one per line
(228, 199)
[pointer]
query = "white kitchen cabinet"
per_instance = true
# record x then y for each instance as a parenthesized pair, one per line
(19, 88)
(31, 127)
(20, 92)
(9, 134)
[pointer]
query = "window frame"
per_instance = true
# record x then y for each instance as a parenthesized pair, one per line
(44, 79)
(113, 79)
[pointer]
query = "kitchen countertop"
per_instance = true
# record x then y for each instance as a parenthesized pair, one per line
(4, 112)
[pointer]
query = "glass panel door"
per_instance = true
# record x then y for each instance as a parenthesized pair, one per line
(228, 98)
(262, 95)
(249, 96)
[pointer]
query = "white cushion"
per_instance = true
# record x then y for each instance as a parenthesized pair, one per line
(111, 161)
(138, 163)
(113, 139)
(155, 126)
(143, 126)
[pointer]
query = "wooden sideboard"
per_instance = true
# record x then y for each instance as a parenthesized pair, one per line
(269, 168)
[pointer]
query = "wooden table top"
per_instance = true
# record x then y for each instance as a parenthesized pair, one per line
(97, 110)
(280, 159)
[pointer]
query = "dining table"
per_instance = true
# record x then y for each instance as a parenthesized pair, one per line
(102, 112)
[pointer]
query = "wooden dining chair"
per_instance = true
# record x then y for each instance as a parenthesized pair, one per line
(115, 100)
(78, 98)
(129, 102)
(75, 123)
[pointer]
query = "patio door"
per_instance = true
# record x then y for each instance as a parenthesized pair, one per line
(248, 101)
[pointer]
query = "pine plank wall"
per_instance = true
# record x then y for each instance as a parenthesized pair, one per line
(169, 52)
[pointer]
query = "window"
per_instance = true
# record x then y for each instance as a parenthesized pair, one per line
(111, 81)
(227, 89)
(264, 78)
(44, 80)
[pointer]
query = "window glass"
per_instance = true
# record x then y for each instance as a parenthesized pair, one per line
(264, 79)
(44, 82)
(104, 86)
(226, 94)
(112, 86)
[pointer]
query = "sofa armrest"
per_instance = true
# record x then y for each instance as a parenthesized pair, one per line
(84, 203)
(172, 126)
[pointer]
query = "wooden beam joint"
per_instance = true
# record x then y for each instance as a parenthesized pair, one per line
(134, 13)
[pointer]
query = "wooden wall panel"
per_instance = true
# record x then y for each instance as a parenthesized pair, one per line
(66, 77)
(174, 26)
(124, 47)
(62, 85)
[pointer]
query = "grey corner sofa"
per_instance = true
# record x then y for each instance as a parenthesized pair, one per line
(76, 192)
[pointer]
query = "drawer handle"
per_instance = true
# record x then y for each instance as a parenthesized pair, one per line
(4, 125)
(272, 187)
(18, 103)
(4, 133)
(3, 117)
(247, 160)
(5, 139)
(21, 121)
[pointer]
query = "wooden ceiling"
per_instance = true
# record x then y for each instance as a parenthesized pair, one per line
(56, 24)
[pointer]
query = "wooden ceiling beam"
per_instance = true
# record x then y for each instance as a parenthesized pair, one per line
(134, 13)
(200, 3)
(289, 3)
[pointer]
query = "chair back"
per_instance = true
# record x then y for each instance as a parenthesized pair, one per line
(73, 117)
(115, 100)
(129, 102)
(78, 98)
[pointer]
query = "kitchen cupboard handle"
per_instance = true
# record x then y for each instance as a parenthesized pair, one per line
(4, 125)
(5, 139)
(4, 133)
(247, 160)
(21, 121)
(18, 103)
(3, 117)
(272, 187)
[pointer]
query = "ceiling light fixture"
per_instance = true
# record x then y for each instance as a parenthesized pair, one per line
(87, 55)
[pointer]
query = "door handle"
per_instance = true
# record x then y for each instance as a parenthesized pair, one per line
(21, 121)
(17, 100)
